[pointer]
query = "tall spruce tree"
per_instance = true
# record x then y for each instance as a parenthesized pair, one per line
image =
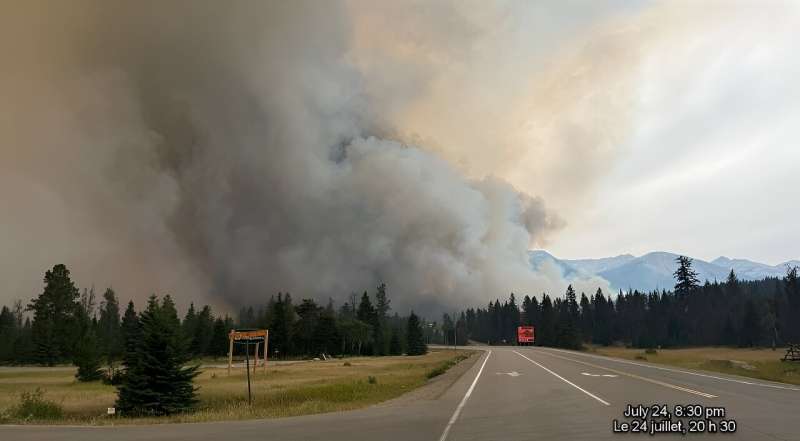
(686, 279)
(366, 313)
(380, 328)
(158, 381)
(54, 317)
(416, 340)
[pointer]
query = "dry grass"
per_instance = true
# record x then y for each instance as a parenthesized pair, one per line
(285, 390)
(763, 364)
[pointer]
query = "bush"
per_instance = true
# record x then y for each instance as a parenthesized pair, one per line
(372, 380)
(652, 351)
(346, 363)
(33, 406)
(640, 357)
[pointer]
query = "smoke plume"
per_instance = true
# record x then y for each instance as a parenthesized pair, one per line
(225, 151)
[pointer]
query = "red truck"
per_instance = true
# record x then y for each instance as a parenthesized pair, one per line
(525, 335)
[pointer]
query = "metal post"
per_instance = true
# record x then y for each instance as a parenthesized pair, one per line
(230, 352)
(247, 357)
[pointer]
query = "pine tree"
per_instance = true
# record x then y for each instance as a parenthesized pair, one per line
(325, 332)
(87, 354)
(8, 334)
(279, 330)
(219, 340)
(686, 279)
(203, 331)
(158, 382)
(379, 325)
(395, 346)
(752, 330)
(54, 317)
(189, 327)
(366, 313)
(416, 341)
(109, 327)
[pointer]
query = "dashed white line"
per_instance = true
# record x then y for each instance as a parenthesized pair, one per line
(464, 400)
(680, 371)
(638, 377)
(566, 381)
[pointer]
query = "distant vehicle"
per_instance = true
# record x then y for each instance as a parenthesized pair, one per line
(525, 335)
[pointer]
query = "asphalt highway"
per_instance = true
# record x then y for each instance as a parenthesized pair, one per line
(515, 393)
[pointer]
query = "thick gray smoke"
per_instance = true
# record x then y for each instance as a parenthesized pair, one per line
(225, 153)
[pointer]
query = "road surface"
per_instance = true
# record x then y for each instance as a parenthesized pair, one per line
(510, 393)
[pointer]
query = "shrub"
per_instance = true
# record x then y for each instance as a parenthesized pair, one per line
(372, 380)
(652, 351)
(641, 357)
(33, 406)
(346, 363)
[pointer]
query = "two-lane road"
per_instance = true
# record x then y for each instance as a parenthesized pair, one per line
(510, 393)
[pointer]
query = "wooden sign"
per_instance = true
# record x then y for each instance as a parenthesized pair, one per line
(257, 335)
(247, 336)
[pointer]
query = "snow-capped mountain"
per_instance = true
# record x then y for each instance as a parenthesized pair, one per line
(654, 270)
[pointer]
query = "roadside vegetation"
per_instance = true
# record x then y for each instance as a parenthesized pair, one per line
(763, 364)
(55, 396)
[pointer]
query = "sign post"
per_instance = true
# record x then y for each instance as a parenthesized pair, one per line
(245, 337)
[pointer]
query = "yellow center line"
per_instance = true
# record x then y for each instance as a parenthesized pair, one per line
(628, 374)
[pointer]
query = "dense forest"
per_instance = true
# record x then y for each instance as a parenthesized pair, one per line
(733, 312)
(65, 324)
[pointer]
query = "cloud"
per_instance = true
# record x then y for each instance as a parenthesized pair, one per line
(225, 154)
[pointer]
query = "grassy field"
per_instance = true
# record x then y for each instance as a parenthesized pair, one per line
(285, 390)
(764, 364)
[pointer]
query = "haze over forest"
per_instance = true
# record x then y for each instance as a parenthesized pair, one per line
(322, 148)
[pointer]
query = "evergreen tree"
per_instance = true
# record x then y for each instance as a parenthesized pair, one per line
(109, 327)
(203, 331)
(279, 330)
(8, 334)
(752, 330)
(158, 382)
(379, 325)
(87, 354)
(416, 341)
(395, 346)
(325, 336)
(54, 317)
(547, 328)
(189, 327)
(366, 313)
(219, 340)
(686, 279)
(304, 328)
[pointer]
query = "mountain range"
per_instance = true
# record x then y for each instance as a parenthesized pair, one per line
(654, 270)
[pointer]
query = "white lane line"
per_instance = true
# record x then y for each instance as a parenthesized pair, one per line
(464, 400)
(638, 377)
(680, 371)
(566, 381)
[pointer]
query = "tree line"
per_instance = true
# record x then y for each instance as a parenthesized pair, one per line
(64, 325)
(148, 354)
(732, 313)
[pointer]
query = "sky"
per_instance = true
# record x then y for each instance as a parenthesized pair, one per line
(323, 148)
(709, 163)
